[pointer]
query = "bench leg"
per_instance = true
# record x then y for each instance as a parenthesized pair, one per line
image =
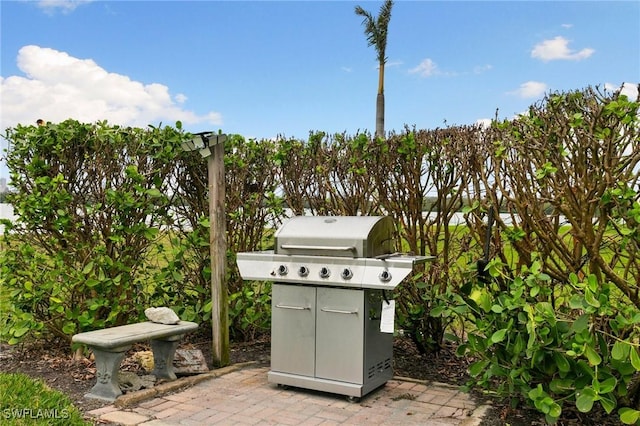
(107, 366)
(163, 353)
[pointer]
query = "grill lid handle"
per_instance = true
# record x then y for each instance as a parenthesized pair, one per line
(327, 248)
(388, 255)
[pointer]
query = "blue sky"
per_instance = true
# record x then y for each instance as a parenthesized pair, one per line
(268, 68)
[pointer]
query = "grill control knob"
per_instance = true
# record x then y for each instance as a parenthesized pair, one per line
(283, 270)
(324, 272)
(385, 276)
(346, 274)
(303, 271)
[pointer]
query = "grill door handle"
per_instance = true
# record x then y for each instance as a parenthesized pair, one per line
(338, 311)
(295, 308)
(328, 248)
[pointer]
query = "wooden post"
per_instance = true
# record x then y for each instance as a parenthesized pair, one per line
(218, 247)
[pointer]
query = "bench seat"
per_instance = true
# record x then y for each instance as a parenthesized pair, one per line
(109, 346)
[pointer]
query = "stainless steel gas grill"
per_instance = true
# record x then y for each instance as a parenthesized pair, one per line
(330, 279)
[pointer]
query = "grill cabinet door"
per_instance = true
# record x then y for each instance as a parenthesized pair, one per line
(293, 329)
(340, 335)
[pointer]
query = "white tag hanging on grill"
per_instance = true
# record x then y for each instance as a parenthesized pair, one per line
(387, 316)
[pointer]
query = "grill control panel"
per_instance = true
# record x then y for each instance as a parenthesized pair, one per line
(328, 270)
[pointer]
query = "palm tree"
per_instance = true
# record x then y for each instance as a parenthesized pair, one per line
(376, 32)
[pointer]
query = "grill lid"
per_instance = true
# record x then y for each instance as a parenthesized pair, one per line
(342, 251)
(338, 236)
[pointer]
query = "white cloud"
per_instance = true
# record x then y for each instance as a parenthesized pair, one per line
(558, 49)
(530, 89)
(479, 69)
(181, 98)
(426, 68)
(389, 64)
(392, 64)
(630, 89)
(65, 6)
(484, 123)
(57, 86)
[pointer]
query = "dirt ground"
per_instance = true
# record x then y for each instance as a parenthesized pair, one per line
(53, 363)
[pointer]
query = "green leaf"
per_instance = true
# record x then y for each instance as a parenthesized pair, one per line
(628, 416)
(592, 283)
(477, 367)
(469, 209)
(608, 385)
(635, 359)
(151, 233)
(437, 311)
(554, 410)
(499, 335)
(461, 350)
(590, 298)
(620, 350)
(91, 282)
(154, 193)
(581, 324)
(545, 404)
(562, 362)
(21, 331)
(592, 355)
(536, 392)
(560, 386)
(69, 328)
(497, 309)
(608, 403)
(87, 268)
(482, 298)
(576, 302)
(584, 401)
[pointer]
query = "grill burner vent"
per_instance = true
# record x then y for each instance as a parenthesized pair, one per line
(380, 368)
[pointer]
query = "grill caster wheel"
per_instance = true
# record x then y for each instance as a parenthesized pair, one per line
(353, 399)
(284, 387)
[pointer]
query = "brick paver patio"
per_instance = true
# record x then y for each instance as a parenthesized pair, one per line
(244, 397)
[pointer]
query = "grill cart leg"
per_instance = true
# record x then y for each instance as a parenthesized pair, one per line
(107, 365)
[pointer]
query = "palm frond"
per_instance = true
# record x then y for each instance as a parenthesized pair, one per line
(376, 29)
(369, 25)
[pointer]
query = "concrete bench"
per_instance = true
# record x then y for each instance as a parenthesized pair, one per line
(110, 344)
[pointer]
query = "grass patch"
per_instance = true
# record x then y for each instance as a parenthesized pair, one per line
(27, 401)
